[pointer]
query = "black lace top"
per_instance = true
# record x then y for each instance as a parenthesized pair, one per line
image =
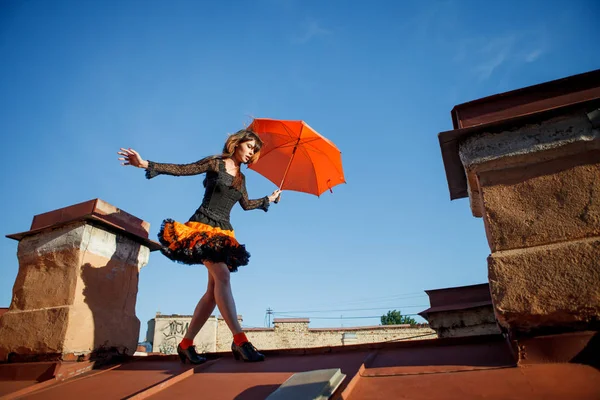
(222, 190)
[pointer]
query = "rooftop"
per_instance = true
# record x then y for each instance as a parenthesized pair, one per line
(517, 365)
(482, 367)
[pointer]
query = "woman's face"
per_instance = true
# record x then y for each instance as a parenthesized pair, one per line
(244, 151)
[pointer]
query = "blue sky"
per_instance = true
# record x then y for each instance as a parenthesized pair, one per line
(79, 79)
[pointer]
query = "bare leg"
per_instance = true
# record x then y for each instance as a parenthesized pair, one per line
(203, 310)
(223, 295)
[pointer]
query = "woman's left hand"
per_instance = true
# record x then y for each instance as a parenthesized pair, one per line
(274, 195)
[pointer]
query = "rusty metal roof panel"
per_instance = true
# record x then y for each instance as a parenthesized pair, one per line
(458, 298)
(117, 382)
(229, 379)
(542, 381)
(94, 211)
(494, 353)
(453, 368)
(455, 307)
(459, 295)
(529, 100)
(577, 347)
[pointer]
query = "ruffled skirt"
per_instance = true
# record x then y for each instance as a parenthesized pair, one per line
(195, 242)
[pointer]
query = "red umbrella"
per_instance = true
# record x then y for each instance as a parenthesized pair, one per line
(295, 157)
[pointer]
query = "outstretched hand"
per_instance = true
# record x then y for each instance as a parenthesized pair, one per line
(275, 196)
(132, 157)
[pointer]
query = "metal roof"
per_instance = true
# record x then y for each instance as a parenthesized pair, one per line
(475, 367)
(94, 211)
(458, 298)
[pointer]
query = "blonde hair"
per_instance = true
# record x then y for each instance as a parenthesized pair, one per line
(242, 136)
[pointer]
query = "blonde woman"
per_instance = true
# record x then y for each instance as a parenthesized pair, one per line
(208, 237)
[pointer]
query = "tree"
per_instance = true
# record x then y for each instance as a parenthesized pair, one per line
(396, 318)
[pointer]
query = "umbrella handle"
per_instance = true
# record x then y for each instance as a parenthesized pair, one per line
(278, 196)
(287, 169)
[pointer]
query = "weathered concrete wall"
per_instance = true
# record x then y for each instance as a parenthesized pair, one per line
(224, 336)
(555, 202)
(470, 322)
(556, 285)
(170, 329)
(301, 337)
(537, 188)
(284, 335)
(525, 147)
(75, 293)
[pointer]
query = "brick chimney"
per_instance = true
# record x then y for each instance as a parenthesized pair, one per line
(529, 161)
(75, 292)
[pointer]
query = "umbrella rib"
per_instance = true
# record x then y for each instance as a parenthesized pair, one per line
(285, 127)
(313, 167)
(316, 150)
(307, 153)
(324, 154)
(292, 143)
(313, 148)
(278, 147)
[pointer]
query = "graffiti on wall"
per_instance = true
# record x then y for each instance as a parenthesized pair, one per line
(172, 333)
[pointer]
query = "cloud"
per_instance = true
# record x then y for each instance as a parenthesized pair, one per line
(485, 69)
(492, 55)
(486, 56)
(533, 55)
(311, 30)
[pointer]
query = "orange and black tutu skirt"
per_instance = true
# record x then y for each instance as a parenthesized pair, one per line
(195, 242)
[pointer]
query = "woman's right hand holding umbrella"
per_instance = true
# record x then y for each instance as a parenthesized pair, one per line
(274, 197)
(132, 157)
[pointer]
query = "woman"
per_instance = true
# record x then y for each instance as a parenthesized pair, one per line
(208, 237)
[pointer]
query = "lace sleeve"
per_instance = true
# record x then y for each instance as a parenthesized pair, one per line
(262, 203)
(199, 167)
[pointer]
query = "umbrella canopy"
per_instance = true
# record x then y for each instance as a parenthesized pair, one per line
(295, 157)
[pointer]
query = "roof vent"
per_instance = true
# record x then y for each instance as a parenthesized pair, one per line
(317, 385)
